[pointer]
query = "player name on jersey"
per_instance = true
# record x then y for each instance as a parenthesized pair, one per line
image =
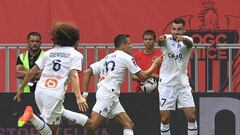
(59, 54)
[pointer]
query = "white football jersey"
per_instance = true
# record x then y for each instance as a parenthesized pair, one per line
(173, 70)
(56, 64)
(112, 69)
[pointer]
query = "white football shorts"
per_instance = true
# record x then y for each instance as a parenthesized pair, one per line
(171, 97)
(107, 103)
(50, 107)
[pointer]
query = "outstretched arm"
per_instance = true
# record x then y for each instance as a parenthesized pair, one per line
(143, 75)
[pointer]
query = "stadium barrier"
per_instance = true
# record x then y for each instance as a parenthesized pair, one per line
(210, 70)
(218, 114)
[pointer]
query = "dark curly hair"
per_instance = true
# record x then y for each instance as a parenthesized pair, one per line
(65, 33)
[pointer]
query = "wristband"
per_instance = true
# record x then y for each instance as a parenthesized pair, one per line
(85, 94)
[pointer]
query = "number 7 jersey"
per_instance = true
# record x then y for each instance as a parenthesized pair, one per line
(112, 69)
(56, 64)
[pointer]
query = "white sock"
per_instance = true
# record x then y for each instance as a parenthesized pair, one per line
(40, 125)
(165, 130)
(127, 132)
(76, 117)
(192, 128)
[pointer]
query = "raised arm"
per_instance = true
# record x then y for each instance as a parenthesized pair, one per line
(161, 40)
(185, 41)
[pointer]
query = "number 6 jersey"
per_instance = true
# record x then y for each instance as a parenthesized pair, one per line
(56, 64)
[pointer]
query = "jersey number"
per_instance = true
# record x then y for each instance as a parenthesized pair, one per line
(110, 65)
(164, 101)
(56, 65)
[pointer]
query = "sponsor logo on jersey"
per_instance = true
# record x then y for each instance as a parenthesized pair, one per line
(175, 56)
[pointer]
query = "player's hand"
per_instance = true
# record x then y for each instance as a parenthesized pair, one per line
(179, 38)
(82, 104)
(19, 92)
(161, 39)
(20, 68)
(17, 98)
(85, 95)
(158, 60)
